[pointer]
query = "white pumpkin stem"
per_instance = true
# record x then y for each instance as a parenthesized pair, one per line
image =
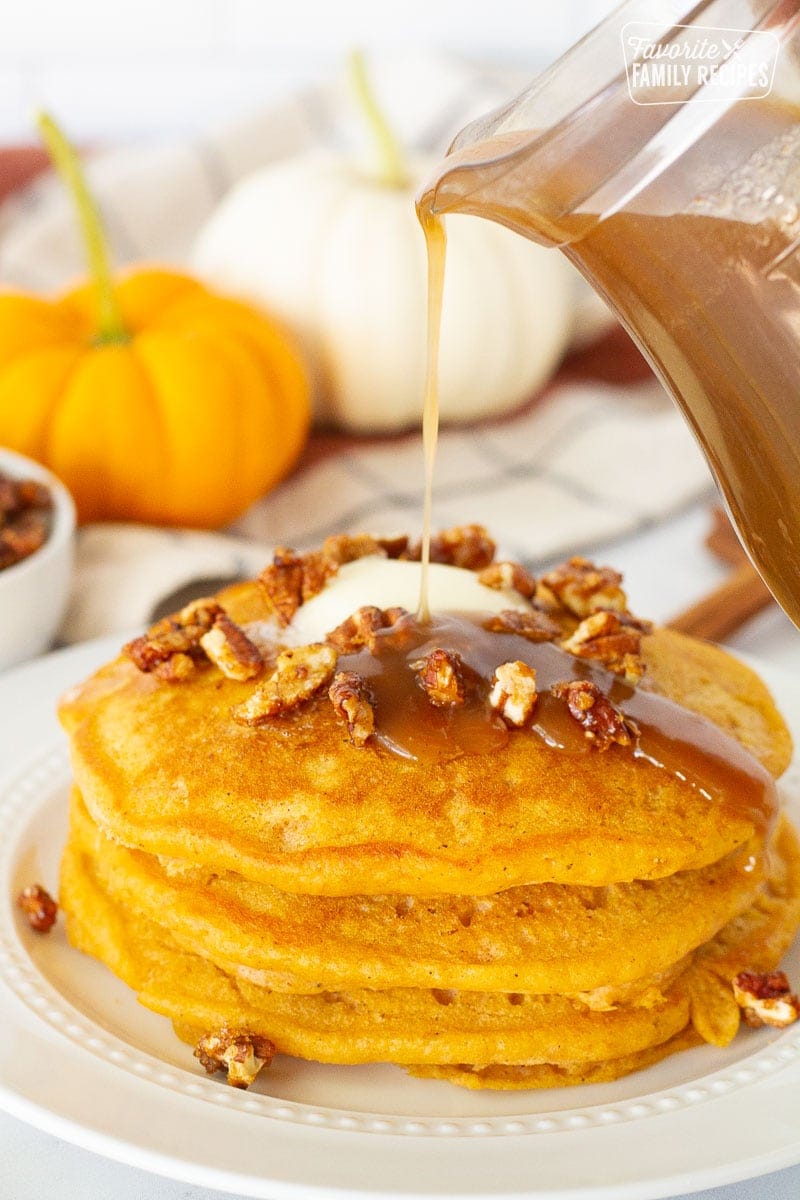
(110, 326)
(392, 169)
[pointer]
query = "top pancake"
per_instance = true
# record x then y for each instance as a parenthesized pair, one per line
(164, 768)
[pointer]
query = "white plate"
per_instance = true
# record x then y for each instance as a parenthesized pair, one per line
(79, 1058)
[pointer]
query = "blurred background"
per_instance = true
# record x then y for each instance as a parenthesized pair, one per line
(199, 123)
(136, 68)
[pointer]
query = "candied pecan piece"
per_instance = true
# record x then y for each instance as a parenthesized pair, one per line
(513, 693)
(291, 579)
(299, 674)
(148, 653)
(39, 907)
(230, 649)
(282, 580)
(353, 703)
(358, 630)
(9, 495)
(175, 637)
(32, 494)
(361, 627)
(23, 534)
(399, 631)
(535, 626)
(20, 495)
(467, 546)
(606, 638)
(511, 575)
(441, 675)
(766, 998)
(347, 547)
(603, 723)
(397, 615)
(582, 588)
(175, 669)
(196, 618)
(395, 545)
(317, 570)
(242, 1055)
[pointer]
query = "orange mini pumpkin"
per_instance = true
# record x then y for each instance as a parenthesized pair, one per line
(153, 399)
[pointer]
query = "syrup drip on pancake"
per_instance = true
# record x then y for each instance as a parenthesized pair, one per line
(671, 738)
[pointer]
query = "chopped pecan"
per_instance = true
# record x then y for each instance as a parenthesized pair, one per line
(242, 1055)
(317, 570)
(395, 545)
(399, 631)
(467, 546)
(39, 907)
(347, 547)
(582, 588)
(175, 637)
(21, 536)
(175, 669)
(195, 619)
(9, 495)
(607, 638)
(231, 650)
(358, 630)
(603, 723)
(513, 693)
(441, 675)
(31, 494)
(766, 999)
(353, 703)
(535, 625)
(19, 494)
(299, 674)
(291, 579)
(397, 616)
(282, 580)
(512, 575)
(24, 520)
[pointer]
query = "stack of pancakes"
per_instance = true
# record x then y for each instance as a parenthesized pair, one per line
(522, 918)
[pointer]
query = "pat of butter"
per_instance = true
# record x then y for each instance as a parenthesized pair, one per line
(386, 583)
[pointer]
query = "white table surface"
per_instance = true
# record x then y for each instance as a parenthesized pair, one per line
(666, 569)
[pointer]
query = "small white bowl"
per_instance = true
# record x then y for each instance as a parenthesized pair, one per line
(34, 592)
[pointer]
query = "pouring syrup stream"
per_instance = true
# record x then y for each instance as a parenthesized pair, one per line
(436, 246)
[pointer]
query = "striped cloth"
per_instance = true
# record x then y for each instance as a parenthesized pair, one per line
(588, 462)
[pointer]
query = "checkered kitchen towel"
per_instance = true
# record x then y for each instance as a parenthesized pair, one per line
(583, 465)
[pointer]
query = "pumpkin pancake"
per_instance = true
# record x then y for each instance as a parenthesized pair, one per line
(538, 938)
(540, 1075)
(758, 937)
(416, 1026)
(166, 769)
(524, 841)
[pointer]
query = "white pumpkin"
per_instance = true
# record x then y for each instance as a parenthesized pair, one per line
(340, 258)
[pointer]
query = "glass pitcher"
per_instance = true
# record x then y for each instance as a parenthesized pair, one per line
(676, 192)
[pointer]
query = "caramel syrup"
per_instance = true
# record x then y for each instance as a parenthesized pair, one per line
(671, 738)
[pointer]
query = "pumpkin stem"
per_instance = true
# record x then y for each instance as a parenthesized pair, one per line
(110, 326)
(391, 164)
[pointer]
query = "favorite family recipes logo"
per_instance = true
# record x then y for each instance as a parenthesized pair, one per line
(687, 62)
